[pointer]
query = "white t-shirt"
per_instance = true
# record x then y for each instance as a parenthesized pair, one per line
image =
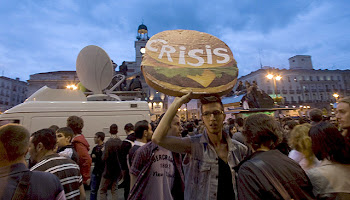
(300, 158)
(162, 176)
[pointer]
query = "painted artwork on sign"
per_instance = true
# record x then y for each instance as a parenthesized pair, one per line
(178, 61)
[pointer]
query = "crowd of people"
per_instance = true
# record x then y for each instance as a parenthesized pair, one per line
(258, 157)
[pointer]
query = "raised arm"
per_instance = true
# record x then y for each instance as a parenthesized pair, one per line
(175, 144)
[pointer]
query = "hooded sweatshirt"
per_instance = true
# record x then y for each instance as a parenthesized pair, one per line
(81, 146)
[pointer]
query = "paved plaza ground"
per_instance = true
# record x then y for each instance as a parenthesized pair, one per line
(120, 194)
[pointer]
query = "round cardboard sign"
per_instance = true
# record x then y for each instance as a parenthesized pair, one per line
(179, 61)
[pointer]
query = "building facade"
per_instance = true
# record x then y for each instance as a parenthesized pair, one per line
(301, 84)
(157, 101)
(12, 92)
(54, 80)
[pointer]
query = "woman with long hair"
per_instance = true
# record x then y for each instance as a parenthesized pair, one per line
(331, 180)
(300, 142)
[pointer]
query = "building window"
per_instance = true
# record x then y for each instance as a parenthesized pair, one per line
(302, 59)
(288, 78)
(303, 78)
(299, 98)
(295, 79)
(293, 60)
(318, 78)
(338, 78)
(292, 98)
(310, 78)
(331, 78)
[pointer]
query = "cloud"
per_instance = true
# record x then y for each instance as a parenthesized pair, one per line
(312, 33)
(42, 36)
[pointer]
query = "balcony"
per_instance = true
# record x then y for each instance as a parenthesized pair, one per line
(291, 91)
(313, 90)
(269, 91)
(306, 91)
(298, 91)
(321, 90)
(284, 91)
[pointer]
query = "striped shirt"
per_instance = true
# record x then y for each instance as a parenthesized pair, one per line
(66, 170)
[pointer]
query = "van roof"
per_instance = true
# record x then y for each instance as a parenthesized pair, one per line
(77, 106)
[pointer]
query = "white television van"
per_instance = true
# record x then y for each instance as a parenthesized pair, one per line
(99, 110)
(48, 107)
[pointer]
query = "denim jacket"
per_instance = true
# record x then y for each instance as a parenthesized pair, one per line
(201, 167)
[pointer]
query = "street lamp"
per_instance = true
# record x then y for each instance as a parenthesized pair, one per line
(335, 95)
(71, 87)
(277, 77)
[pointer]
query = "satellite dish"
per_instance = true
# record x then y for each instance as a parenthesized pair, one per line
(94, 68)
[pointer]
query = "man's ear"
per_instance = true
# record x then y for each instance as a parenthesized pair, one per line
(145, 133)
(39, 147)
(69, 139)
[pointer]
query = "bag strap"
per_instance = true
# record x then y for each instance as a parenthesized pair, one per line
(22, 187)
(279, 187)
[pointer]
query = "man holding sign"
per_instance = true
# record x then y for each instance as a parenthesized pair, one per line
(210, 158)
(179, 61)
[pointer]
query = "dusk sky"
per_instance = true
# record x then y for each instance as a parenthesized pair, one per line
(46, 35)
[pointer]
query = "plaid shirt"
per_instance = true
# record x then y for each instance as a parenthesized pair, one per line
(145, 155)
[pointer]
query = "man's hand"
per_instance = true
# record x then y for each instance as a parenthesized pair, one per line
(179, 101)
(175, 144)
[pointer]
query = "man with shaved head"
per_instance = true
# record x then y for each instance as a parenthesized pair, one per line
(16, 181)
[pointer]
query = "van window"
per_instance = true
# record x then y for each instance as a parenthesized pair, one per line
(8, 121)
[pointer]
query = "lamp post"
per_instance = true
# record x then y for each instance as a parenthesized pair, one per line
(335, 95)
(274, 77)
(71, 87)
